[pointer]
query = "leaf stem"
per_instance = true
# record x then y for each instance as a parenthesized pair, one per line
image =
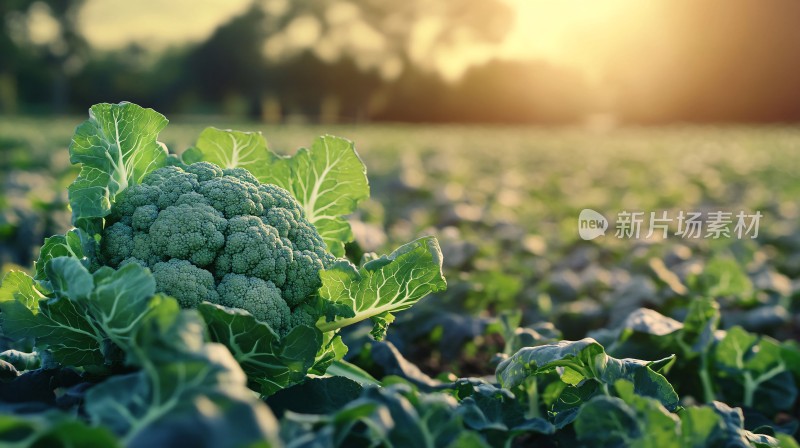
(532, 390)
(705, 379)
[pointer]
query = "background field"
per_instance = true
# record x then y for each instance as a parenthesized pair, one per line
(504, 203)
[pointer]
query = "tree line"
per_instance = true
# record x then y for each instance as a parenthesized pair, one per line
(713, 61)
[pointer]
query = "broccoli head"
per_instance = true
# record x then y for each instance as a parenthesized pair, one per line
(216, 235)
(185, 281)
(261, 298)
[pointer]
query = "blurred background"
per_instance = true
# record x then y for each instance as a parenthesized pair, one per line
(487, 123)
(325, 61)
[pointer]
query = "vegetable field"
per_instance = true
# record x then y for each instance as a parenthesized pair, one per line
(223, 290)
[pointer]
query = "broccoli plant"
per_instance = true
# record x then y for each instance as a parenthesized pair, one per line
(252, 240)
(216, 235)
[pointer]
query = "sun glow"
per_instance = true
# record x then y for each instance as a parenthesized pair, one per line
(586, 35)
(576, 33)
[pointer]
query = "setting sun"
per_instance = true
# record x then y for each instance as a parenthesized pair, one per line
(576, 33)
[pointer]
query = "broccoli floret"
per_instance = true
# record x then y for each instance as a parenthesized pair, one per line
(296, 229)
(130, 260)
(255, 249)
(230, 195)
(171, 182)
(144, 217)
(242, 174)
(191, 199)
(131, 198)
(204, 171)
(188, 232)
(206, 233)
(143, 249)
(273, 196)
(302, 277)
(303, 315)
(281, 219)
(261, 298)
(117, 243)
(186, 282)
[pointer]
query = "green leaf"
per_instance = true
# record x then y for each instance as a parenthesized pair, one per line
(630, 420)
(191, 155)
(787, 441)
(75, 243)
(109, 305)
(756, 363)
(495, 411)
(383, 286)
(332, 351)
(380, 324)
(701, 322)
(19, 303)
(67, 277)
(191, 396)
(316, 396)
(419, 419)
(117, 146)
(647, 333)
(120, 300)
(166, 332)
(732, 432)
(582, 356)
(337, 429)
(654, 422)
(645, 378)
(790, 352)
(740, 350)
(52, 429)
(87, 312)
(636, 421)
(202, 392)
(698, 424)
(59, 325)
(587, 371)
(62, 327)
(395, 415)
(722, 277)
(569, 399)
(19, 286)
(232, 149)
(660, 426)
(270, 362)
(352, 372)
(608, 422)
(329, 180)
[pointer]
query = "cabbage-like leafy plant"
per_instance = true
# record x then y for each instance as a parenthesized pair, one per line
(146, 362)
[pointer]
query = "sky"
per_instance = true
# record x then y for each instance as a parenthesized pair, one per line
(564, 32)
(574, 33)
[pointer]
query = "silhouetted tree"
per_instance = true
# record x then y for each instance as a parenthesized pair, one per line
(27, 65)
(231, 61)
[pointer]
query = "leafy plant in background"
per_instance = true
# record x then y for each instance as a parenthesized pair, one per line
(734, 365)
